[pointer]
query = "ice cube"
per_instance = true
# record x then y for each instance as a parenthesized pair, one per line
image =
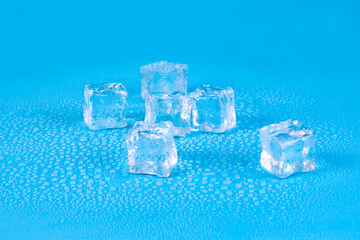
(175, 107)
(287, 148)
(163, 77)
(105, 106)
(213, 109)
(151, 149)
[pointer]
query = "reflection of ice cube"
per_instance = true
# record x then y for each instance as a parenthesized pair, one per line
(151, 149)
(288, 147)
(105, 106)
(163, 77)
(175, 107)
(213, 109)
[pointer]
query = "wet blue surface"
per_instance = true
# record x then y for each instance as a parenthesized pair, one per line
(59, 180)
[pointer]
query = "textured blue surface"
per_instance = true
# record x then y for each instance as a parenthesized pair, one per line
(59, 180)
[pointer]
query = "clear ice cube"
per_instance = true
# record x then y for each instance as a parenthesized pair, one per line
(163, 77)
(287, 148)
(213, 109)
(151, 149)
(175, 107)
(105, 106)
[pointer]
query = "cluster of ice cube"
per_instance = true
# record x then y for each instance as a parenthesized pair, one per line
(170, 111)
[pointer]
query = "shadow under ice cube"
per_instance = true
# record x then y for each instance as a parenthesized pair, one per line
(163, 77)
(151, 149)
(105, 106)
(213, 109)
(175, 107)
(287, 148)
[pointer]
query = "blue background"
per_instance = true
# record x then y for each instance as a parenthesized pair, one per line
(284, 59)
